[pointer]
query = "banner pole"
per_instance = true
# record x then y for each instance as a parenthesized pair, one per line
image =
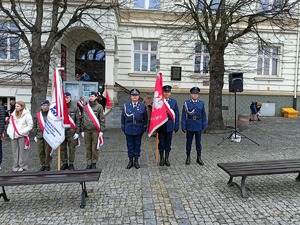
(58, 158)
(156, 148)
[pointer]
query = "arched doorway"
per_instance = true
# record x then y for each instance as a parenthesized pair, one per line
(90, 58)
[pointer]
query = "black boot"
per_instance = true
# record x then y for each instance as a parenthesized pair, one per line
(93, 166)
(199, 160)
(188, 158)
(130, 164)
(136, 163)
(161, 160)
(42, 168)
(64, 166)
(167, 163)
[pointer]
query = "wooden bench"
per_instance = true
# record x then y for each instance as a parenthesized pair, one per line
(50, 177)
(289, 112)
(244, 169)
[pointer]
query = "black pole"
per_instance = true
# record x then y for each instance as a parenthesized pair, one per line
(234, 114)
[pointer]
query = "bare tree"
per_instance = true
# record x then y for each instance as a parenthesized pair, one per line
(40, 24)
(219, 23)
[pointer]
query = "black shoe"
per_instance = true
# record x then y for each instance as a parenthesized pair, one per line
(64, 167)
(47, 168)
(188, 159)
(130, 164)
(258, 119)
(89, 167)
(42, 168)
(167, 163)
(161, 160)
(136, 163)
(71, 167)
(93, 166)
(199, 160)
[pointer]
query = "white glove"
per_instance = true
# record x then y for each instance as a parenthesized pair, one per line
(82, 134)
(35, 139)
(75, 136)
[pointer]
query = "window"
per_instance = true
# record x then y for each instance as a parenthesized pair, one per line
(267, 5)
(201, 59)
(212, 5)
(146, 4)
(9, 41)
(268, 61)
(145, 56)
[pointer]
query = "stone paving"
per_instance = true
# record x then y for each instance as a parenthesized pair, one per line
(178, 194)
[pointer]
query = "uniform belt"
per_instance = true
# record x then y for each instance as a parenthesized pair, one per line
(135, 121)
(195, 117)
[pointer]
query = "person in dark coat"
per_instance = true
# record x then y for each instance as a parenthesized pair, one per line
(2, 124)
(134, 120)
(193, 122)
(101, 100)
(165, 132)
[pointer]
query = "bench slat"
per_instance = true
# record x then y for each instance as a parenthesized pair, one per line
(263, 166)
(49, 177)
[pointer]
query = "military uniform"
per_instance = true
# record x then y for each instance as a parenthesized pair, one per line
(90, 132)
(134, 124)
(193, 122)
(42, 146)
(165, 132)
(69, 142)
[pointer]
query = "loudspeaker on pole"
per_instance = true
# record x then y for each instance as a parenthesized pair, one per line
(235, 82)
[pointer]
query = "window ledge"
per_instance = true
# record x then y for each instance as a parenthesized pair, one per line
(141, 74)
(10, 61)
(269, 78)
(199, 75)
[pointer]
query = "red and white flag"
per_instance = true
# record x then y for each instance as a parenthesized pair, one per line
(160, 107)
(108, 102)
(58, 117)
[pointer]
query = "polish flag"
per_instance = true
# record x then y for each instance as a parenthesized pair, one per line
(58, 117)
(108, 102)
(160, 107)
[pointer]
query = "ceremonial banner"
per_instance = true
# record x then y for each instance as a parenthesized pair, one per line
(108, 102)
(160, 107)
(57, 118)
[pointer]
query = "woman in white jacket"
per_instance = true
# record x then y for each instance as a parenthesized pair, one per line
(20, 124)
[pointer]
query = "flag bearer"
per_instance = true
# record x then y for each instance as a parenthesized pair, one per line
(71, 135)
(134, 121)
(44, 148)
(165, 132)
(93, 124)
(193, 122)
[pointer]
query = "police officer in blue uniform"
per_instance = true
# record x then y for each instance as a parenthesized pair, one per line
(165, 132)
(134, 121)
(193, 122)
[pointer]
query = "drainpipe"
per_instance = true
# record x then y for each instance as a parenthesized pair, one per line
(296, 69)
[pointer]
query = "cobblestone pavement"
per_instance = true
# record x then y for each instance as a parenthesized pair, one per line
(178, 194)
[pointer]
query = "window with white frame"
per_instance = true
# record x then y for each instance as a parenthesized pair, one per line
(213, 5)
(201, 59)
(146, 4)
(145, 56)
(268, 61)
(9, 41)
(267, 5)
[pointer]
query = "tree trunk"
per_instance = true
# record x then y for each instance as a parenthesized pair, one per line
(216, 66)
(39, 78)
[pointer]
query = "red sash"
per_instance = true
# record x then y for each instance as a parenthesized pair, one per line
(80, 104)
(42, 125)
(27, 141)
(73, 126)
(96, 124)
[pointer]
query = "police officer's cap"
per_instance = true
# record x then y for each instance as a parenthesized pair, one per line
(134, 91)
(92, 93)
(45, 102)
(195, 90)
(167, 88)
(67, 94)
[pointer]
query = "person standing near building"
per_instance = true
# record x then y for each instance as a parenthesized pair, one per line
(165, 132)
(193, 122)
(93, 124)
(134, 121)
(80, 104)
(38, 130)
(71, 135)
(101, 100)
(2, 125)
(148, 101)
(20, 125)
